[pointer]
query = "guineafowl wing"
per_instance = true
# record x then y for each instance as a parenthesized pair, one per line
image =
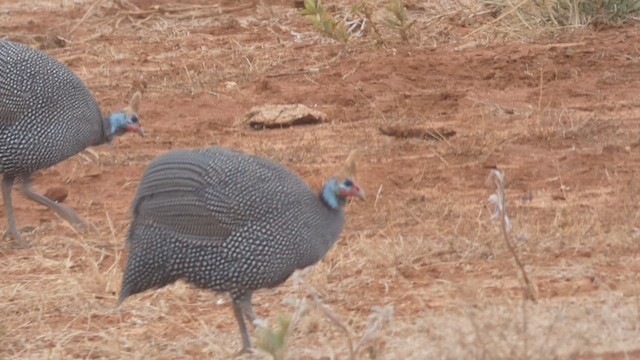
(173, 194)
(15, 85)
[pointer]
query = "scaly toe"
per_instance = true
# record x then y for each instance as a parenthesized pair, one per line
(245, 351)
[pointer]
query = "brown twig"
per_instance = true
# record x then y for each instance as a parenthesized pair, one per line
(498, 199)
(289, 73)
(86, 15)
(558, 45)
(540, 93)
(330, 315)
(167, 11)
(505, 14)
(125, 4)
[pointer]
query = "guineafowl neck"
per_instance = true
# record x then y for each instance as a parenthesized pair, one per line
(333, 223)
(327, 225)
(105, 136)
(329, 198)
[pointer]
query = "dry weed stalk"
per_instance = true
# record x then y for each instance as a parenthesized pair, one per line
(274, 342)
(379, 317)
(497, 19)
(329, 314)
(527, 16)
(500, 210)
(86, 15)
(365, 10)
(187, 12)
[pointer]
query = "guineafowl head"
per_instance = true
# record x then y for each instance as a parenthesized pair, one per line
(338, 188)
(126, 120)
(335, 192)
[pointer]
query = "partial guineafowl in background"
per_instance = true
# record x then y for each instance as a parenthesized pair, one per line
(230, 222)
(47, 114)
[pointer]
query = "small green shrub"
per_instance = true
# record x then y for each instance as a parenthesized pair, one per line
(273, 342)
(398, 18)
(324, 21)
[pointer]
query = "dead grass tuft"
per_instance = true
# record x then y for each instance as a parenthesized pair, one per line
(560, 119)
(527, 17)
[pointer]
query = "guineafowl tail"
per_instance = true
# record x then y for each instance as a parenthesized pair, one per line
(148, 261)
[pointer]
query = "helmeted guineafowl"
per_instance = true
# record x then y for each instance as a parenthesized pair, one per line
(230, 222)
(47, 114)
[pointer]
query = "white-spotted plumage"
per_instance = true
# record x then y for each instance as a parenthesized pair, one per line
(226, 221)
(47, 115)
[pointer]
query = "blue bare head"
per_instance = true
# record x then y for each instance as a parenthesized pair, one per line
(335, 192)
(126, 120)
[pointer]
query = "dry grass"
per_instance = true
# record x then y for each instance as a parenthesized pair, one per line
(486, 329)
(74, 280)
(424, 243)
(525, 18)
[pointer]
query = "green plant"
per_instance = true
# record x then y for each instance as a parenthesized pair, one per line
(398, 18)
(273, 342)
(324, 21)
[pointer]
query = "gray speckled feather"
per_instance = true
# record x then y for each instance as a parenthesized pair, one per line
(46, 112)
(227, 221)
(232, 203)
(47, 115)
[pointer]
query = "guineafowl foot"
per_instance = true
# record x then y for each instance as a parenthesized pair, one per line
(12, 231)
(245, 351)
(19, 242)
(246, 340)
(60, 209)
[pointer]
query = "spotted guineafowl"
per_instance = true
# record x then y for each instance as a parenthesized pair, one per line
(47, 114)
(230, 222)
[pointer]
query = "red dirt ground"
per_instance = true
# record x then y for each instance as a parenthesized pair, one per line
(559, 115)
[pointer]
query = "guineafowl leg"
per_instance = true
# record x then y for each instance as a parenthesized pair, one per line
(247, 309)
(60, 209)
(7, 184)
(239, 313)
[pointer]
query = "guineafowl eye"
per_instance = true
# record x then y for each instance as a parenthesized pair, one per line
(134, 119)
(348, 183)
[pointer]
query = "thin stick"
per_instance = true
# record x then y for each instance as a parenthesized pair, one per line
(166, 11)
(372, 104)
(440, 157)
(289, 73)
(497, 19)
(558, 45)
(334, 319)
(85, 16)
(525, 338)
(540, 94)
(501, 211)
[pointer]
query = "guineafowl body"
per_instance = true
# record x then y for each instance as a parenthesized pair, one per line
(230, 222)
(47, 114)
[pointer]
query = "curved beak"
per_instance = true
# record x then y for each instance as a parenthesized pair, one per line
(135, 128)
(353, 191)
